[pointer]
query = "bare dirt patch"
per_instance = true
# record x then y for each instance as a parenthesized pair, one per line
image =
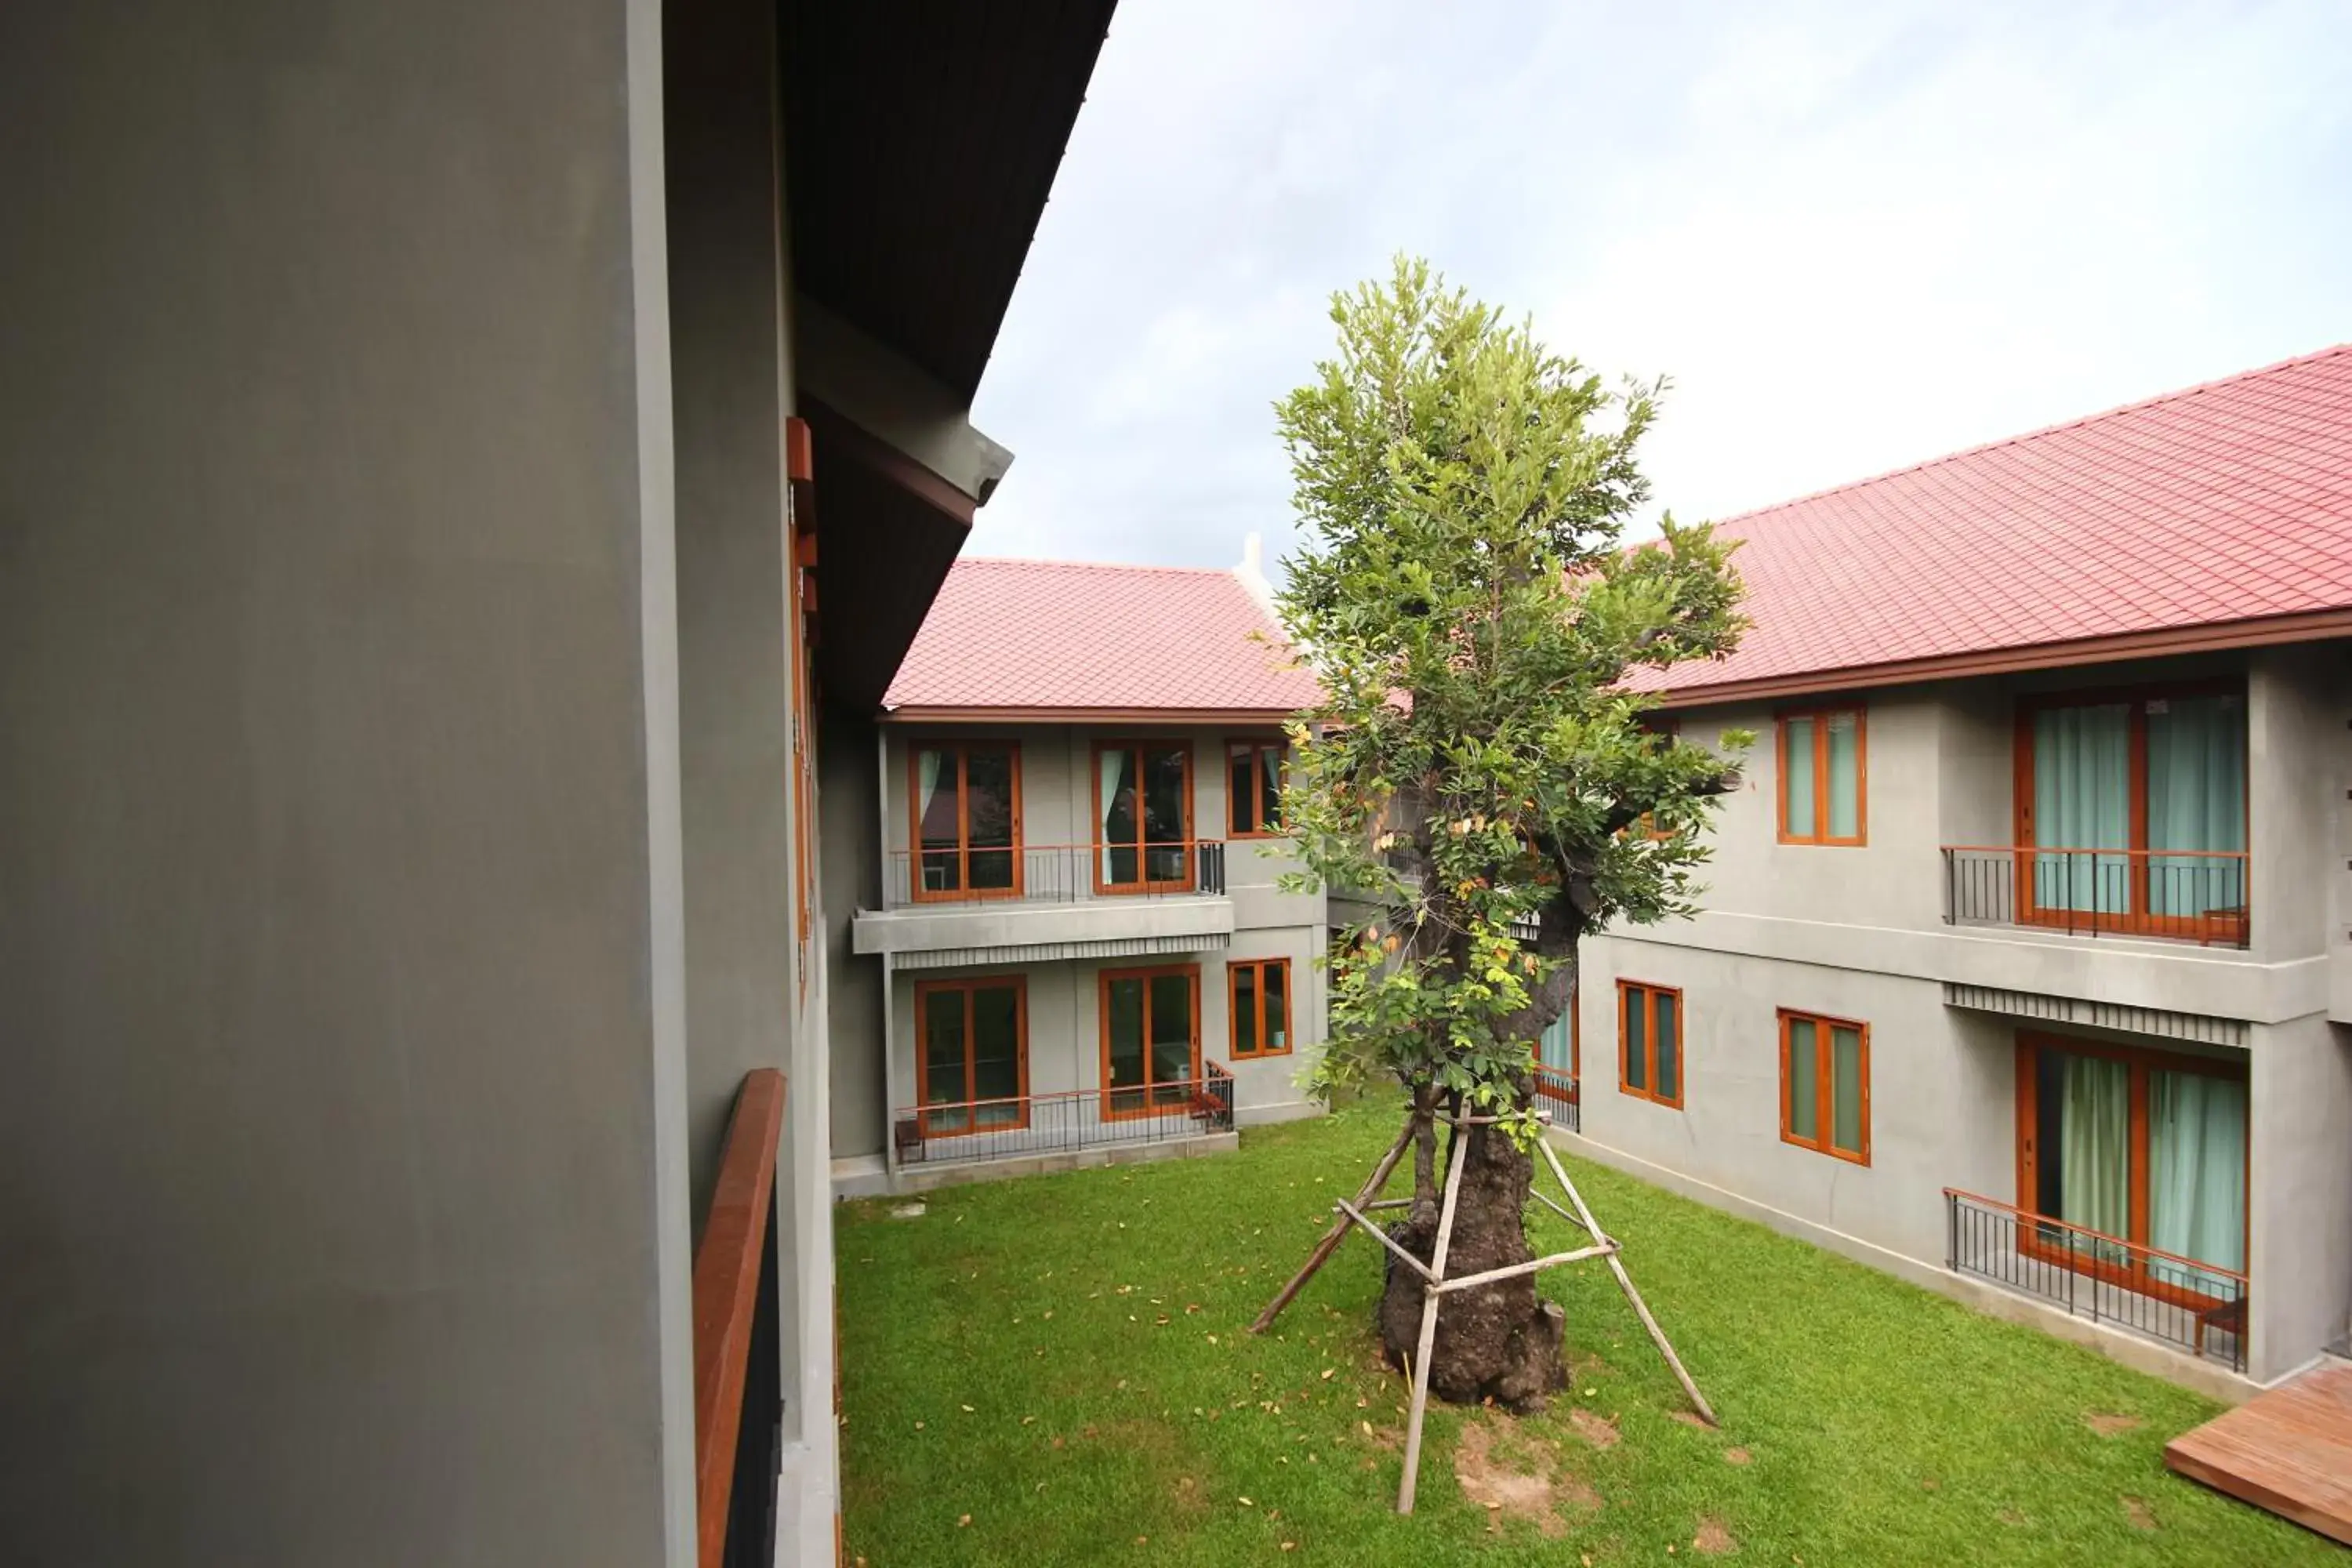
(1593, 1429)
(2010, 1516)
(2137, 1511)
(1737, 1456)
(1688, 1418)
(1518, 1479)
(2107, 1425)
(1713, 1540)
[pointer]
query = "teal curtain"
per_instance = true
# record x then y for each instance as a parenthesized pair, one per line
(2196, 1174)
(1804, 1080)
(1845, 776)
(1554, 1050)
(1845, 1088)
(2196, 800)
(2082, 800)
(2095, 1145)
(1797, 789)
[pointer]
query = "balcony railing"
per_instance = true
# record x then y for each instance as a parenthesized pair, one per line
(2194, 895)
(1030, 1125)
(2199, 1307)
(1055, 873)
(1558, 1091)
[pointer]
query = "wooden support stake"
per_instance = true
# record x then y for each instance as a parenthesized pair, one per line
(1429, 1328)
(1513, 1271)
(1338, 1233)
(1625, 1283)
(1563, 1214)
(1377, 1234)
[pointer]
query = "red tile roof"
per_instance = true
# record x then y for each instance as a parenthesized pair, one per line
(1071, 636)
(2224, 503)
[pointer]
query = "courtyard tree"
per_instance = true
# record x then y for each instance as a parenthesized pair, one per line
(1481, 766)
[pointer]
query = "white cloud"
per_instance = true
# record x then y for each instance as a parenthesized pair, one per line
(1856, 236)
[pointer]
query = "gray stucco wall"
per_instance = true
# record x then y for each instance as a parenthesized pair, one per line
(2301, 1191)
(852, 881)
(341, 1193)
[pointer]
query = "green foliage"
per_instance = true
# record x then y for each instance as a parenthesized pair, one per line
(1466, 598)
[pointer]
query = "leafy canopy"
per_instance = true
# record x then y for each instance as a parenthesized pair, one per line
(1464, 598)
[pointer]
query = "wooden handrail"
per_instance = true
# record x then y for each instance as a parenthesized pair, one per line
(2142, 1249)
(1027, 848)
(727, 1293)
(2118, 854)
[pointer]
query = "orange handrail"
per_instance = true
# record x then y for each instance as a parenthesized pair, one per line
(2142, 1249)
(727, 1293)
(2065, 850)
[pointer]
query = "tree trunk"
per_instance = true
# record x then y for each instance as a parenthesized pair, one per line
(1500, 1340)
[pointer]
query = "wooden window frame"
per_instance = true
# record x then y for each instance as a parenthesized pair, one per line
(924, 991)
(1254, 745)
(1096, 848)
(1821, 715)
(2131, 1275)
(1102, 1021)
(800, 612)
(1825, 1086)
(2138, 920)
(1233, 1008)
(1648, 1090)
(961, 746)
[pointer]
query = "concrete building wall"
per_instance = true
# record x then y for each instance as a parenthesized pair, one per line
(852, 881)
(2301, 1191)
(342, 1194)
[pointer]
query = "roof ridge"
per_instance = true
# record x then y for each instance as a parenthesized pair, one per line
(2293, 362)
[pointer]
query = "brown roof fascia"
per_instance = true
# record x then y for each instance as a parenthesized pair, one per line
(1268, 717)
(2311, 626)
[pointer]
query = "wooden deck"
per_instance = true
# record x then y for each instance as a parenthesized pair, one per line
(2289, 1450)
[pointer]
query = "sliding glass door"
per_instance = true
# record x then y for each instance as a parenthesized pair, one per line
(2141, 1147)
(1151, 1039)
(2132, 811)
(974, 1036)
(967, 804)
(1143, 816)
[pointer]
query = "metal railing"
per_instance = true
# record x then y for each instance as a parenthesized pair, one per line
(2195, 895)
(2197, 1306)
(1055, 873)
(1030, 1125)
(1559, 1091)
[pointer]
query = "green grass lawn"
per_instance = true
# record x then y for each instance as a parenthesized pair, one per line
(1059, 1371)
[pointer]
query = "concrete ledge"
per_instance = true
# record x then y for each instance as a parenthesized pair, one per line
(2126, 1349)
(923, 1178)
(860, 1176)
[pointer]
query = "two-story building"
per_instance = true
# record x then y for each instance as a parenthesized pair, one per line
(1071, 943)
(2023, 961)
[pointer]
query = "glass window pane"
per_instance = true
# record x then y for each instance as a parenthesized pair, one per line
(1269, 771)
(996, 1042)
(1121, 827)
(1125, 1029)
(1845, 1088)
(1669, 1042)
(1797, 785)
(1845, 776)
(1166, 859)
(2082, 803)
(2196, 800)
(943, 1047)
(988, 795)
(1637, 1038)
(1171, 1036)
(1277, 1006)
(2196, 1173)
(1804, 1080)
(1241, 814)
(2093, 1152)
(1244, 1009)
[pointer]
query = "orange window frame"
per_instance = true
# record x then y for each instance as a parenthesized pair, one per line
(1820, 718)
(1627, 991)
(2216, 925)
(1143, 1091)
(1267, 968)
(927, 989)
(963, 892)
(1254, 749)
(1825, 1086)
(2132, 1274)
(1143, 883)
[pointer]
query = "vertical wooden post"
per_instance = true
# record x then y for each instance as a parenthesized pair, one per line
(1338, 1233)
(1625, 1283)
(1430, 1298)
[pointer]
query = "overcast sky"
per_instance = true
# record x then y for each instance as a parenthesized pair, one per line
(1855, 235)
